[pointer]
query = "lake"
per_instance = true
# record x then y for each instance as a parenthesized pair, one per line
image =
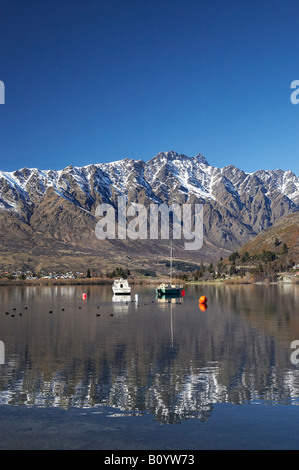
(157, 374)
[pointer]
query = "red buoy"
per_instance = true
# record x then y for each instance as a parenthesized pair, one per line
(84, 296)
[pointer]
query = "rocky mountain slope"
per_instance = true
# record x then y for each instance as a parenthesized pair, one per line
(284, 231)
(47, 217)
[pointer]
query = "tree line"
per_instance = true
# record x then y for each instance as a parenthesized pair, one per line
(258, 267)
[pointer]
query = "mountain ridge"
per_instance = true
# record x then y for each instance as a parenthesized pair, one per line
(51, 208)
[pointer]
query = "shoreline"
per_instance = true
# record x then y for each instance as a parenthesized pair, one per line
(107, 282)
(72, 282)
(137, 281)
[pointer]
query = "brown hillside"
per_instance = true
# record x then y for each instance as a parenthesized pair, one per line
(286, 230)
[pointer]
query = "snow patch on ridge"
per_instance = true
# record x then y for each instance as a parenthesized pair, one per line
(162, 172)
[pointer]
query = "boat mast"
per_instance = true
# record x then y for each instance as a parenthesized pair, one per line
(171, 262)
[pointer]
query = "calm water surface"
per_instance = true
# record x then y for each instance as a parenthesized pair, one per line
(100, 374)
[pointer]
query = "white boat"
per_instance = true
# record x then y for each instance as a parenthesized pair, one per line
(121, 287)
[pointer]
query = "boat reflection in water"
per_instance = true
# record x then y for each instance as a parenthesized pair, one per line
(121, 295)
(169, 299)
(121, 303)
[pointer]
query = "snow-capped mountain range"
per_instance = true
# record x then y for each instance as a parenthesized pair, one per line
(237, 205)
(160, 177)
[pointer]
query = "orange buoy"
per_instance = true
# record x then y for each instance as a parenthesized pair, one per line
(203, 299)
(84, 296)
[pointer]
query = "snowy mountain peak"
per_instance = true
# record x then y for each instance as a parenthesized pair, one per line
(201, 159)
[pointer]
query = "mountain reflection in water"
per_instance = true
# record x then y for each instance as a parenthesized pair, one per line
(164, 358)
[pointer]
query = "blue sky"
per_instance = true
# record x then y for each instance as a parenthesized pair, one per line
(96, 81)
